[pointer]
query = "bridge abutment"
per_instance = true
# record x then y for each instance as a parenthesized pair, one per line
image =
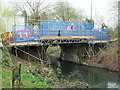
(78, 52)
(71, 52)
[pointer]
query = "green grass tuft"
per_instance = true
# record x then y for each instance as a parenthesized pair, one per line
(27, 80)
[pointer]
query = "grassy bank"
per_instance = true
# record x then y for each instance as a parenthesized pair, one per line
(28, 80)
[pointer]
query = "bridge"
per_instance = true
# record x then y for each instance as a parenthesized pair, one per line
(75, 38)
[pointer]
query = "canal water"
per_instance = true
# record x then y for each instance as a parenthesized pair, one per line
(94, 77)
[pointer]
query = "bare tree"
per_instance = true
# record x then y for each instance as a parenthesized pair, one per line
(114, 11)
(114, 18)
(30, 7)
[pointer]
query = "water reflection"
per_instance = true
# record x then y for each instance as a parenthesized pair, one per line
(95, 77)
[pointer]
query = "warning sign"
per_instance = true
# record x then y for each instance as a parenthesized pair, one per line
(16, 76)
(16, 82)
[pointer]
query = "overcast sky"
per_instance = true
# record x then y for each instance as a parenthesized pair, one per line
(101, 9)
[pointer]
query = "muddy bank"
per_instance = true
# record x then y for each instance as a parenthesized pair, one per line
(108, 59)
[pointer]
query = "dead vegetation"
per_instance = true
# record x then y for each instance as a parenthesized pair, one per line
(107, 59)
(53, 79)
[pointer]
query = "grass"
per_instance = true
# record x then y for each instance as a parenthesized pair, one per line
(28, 80)
(31, 81)
(55, 51)
(6, 60)
(54, 47)
(5, 78)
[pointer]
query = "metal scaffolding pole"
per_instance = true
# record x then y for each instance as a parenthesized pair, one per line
(28, 55)
(91, 8)
(89, 51)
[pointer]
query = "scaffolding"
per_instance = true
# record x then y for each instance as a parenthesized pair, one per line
(56, 33)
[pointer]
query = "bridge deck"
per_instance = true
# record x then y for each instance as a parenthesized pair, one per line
(66, 37)
(59, 40)
(101, 42)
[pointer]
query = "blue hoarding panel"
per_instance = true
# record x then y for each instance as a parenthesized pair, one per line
(100, 34)
(53, 28)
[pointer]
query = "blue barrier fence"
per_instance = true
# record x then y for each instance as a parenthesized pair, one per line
(56, 28)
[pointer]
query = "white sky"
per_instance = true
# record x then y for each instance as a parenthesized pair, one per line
(101, 9)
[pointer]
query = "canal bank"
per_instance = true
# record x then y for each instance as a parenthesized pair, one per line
(107, 59)
(51, 76)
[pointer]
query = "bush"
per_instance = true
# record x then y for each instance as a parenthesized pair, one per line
(6, 60)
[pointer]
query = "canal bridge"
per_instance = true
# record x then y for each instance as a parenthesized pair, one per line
(76, 40)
